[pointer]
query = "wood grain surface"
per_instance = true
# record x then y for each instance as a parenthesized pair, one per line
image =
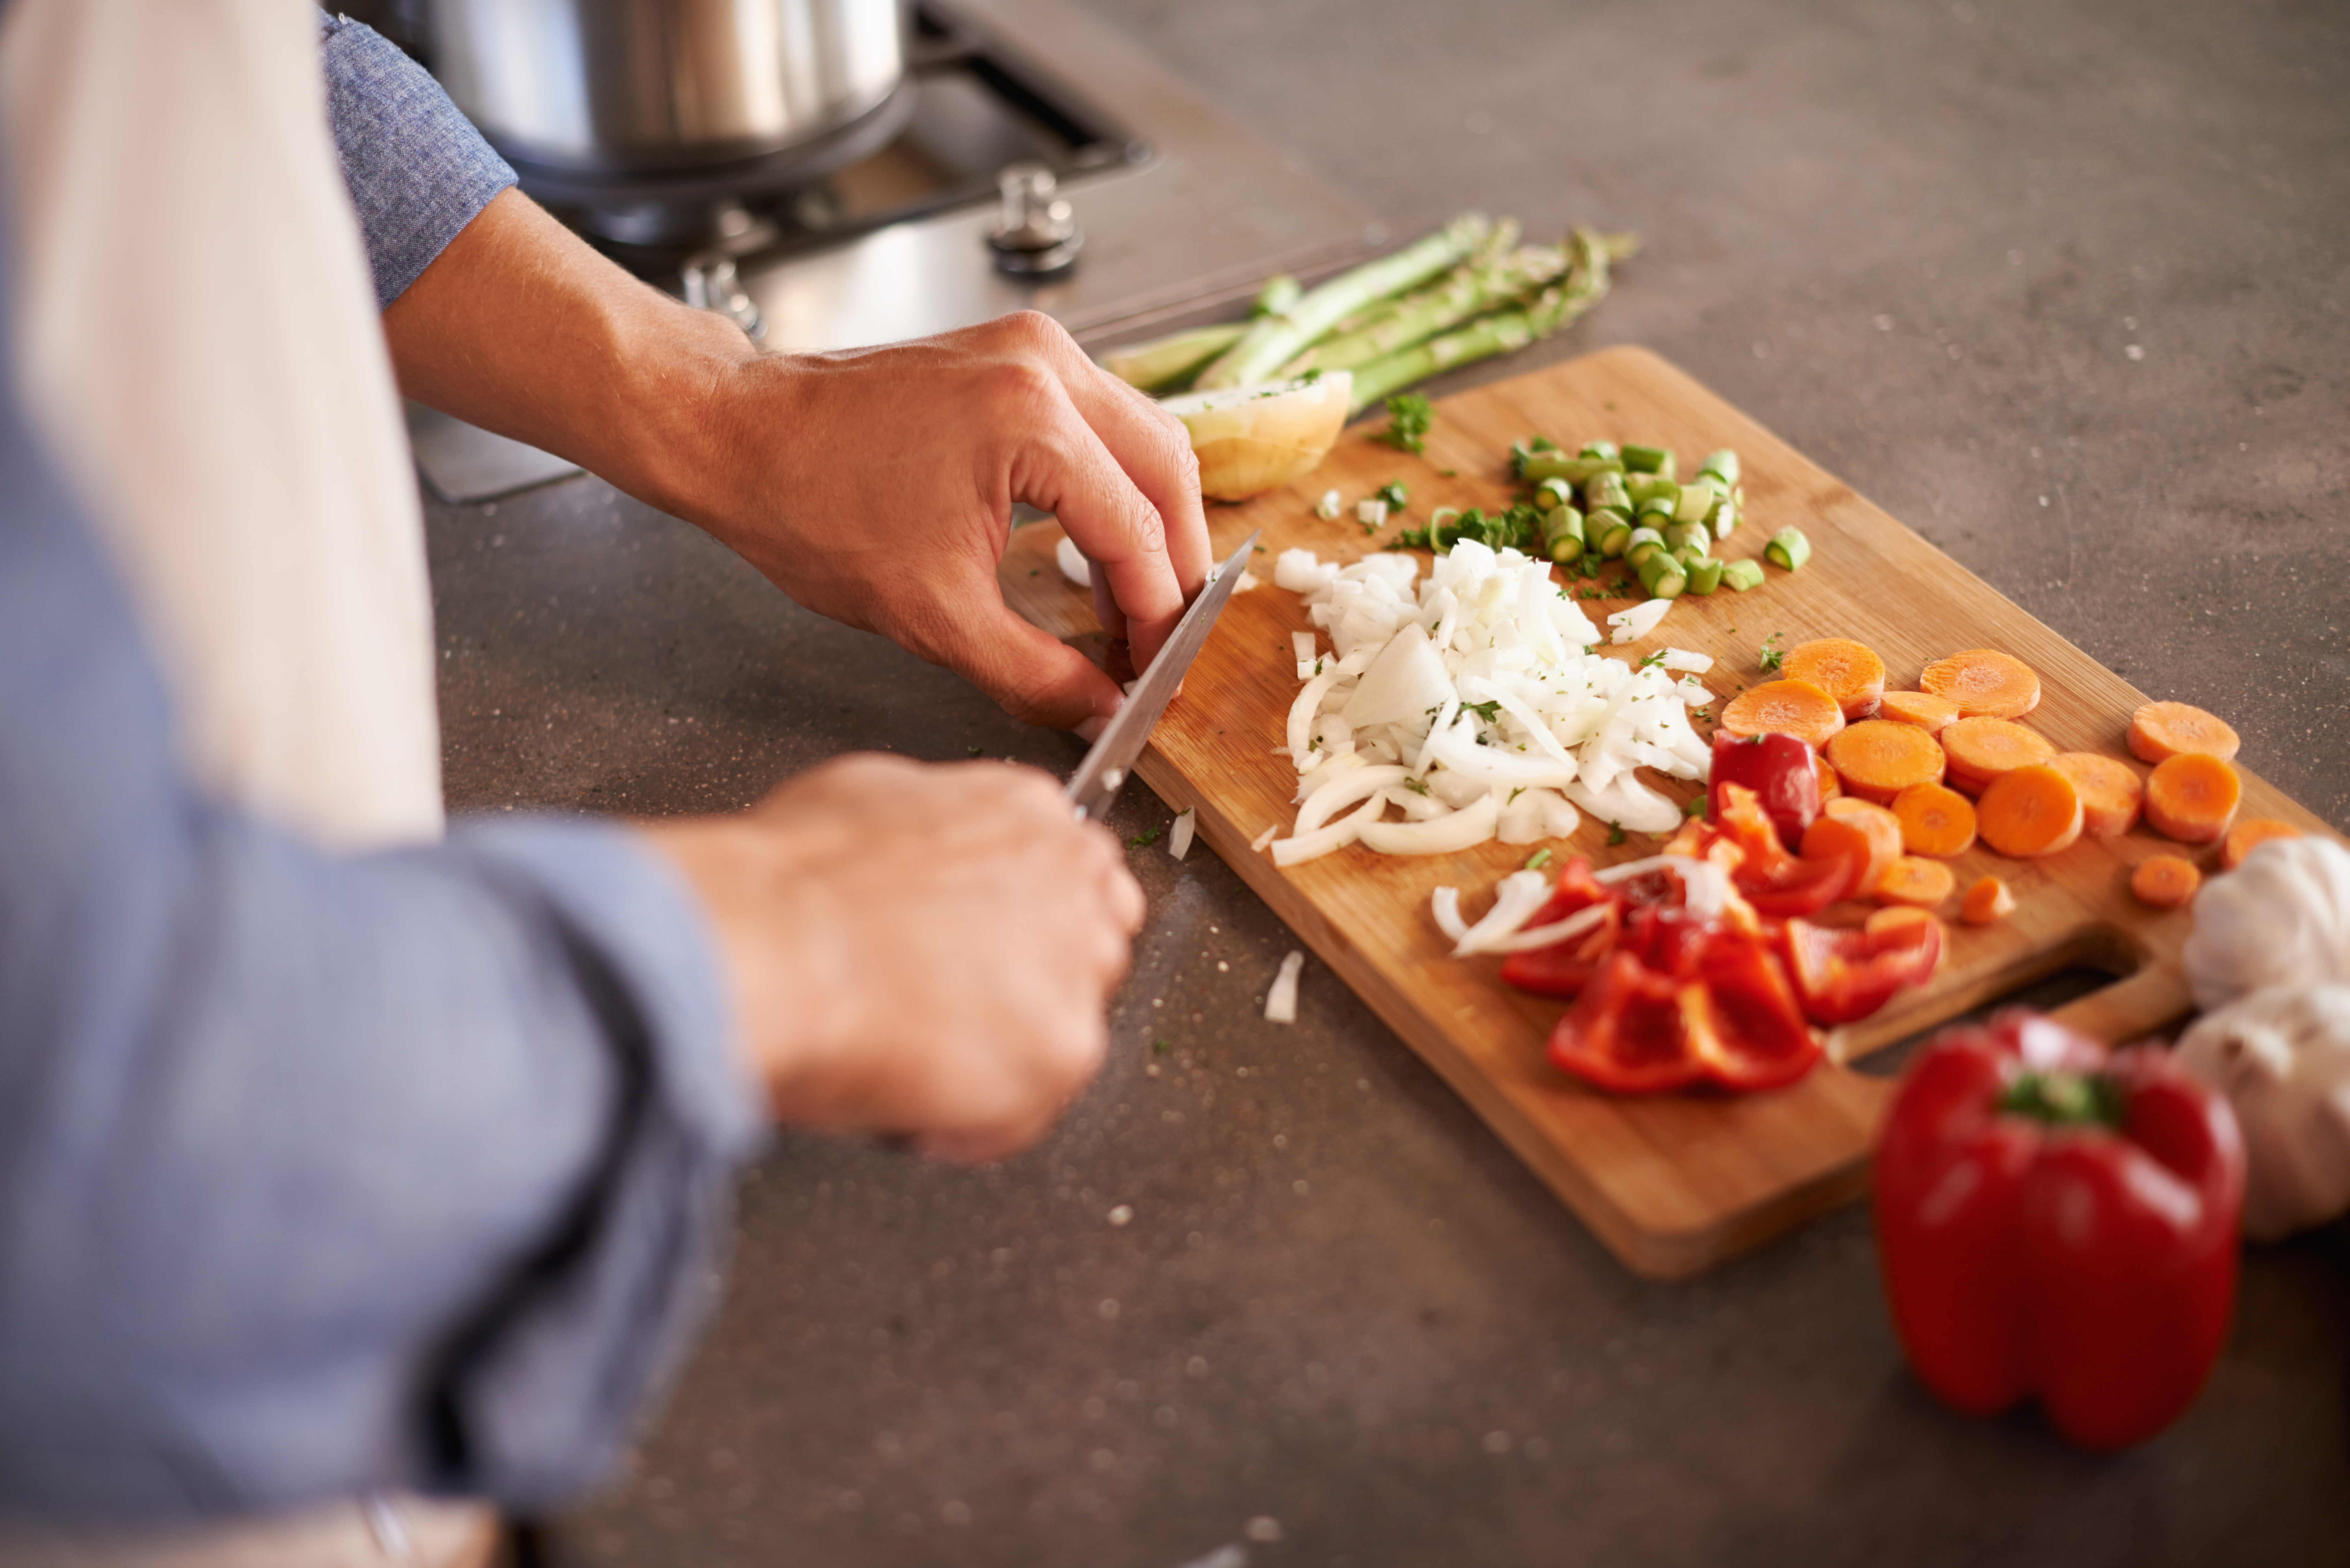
(1676, 1183)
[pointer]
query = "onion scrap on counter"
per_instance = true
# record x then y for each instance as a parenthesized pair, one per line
(1474, 703)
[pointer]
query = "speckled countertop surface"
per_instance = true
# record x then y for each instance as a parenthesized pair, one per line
(1967, 256)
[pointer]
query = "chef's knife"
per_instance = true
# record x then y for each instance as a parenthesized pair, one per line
(1095, 783)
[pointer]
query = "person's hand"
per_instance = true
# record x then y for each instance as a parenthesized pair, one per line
(916, 950)
(876, 486)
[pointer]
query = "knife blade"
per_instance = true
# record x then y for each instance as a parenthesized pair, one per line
(1096, 781)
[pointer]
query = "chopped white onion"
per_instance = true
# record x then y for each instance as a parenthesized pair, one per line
(1682, 659)
(1322, 840)
(1256, 844)
(1072, 562)
(1705, 886)
(1303, 642)
(1515, 900)
(1574, 925)
(1631, 625)
(1344, 788)
(1280, 996)
(1445, 835)
(1445, 905)
(1329, 507)
(1179, 837)
(1371, 512)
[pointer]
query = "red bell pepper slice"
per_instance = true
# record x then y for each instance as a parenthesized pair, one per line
(1721, 1013)
(1781, 770)
(1846, 975)
(1563, 969)
(1774, 882)
(2056, 1222)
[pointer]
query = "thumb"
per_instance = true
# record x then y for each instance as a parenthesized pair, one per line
(1032, 674)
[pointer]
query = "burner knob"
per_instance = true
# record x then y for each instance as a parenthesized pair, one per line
(1036, 239)
(711, 283)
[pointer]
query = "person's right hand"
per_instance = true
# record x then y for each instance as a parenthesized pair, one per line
(924, 951)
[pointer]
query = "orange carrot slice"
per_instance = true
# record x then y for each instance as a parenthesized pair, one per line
(1935, 820)
(1846, 670)
(2161, 730)
(2193, 797)
(2254, 831)
(1986, 901)
(1921, 883)
(2111, 795)
(1795, 708)
(1878, 825)
(1981, 749)
(1894, 916)
(2165, 881)
(1877, 759)
(1830, 785)
(1985, 683)
(1827, 838)
(1923, 708)
(2028, 811)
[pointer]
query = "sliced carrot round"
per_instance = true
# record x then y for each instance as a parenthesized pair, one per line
(1846, 670)
(2028, 811)
(1795, 708)
(1895, 917)
(1923, 708)
(1935, 820)
(1986, 901)
(1877, 759)
(1829, 839)
(2193, 797)
(1985, 683)
(1878, 825)
(1979, 749)
(1830, 785)
(1920, 882)
(2245, 834)
(2165, 881)
(2111, 795)
(2161, 730)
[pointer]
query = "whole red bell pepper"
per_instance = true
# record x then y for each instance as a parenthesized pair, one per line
(2059, 1222)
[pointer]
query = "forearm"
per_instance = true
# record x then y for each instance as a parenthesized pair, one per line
(520, 328)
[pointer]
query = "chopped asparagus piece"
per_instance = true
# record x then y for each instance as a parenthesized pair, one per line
(1280, 291)
(1653, 460)
(1662, 576)
(1704, 575)
(1654, 513)
(1697, 499)
(1723, 518)
(1561, 533)
(1788, 549)
(1611, 538)
(1554, 493)
(1643, 544)
(1602, 449)
(1606, 490)
(1742, 574)
(1720, 466)
(1681, 534)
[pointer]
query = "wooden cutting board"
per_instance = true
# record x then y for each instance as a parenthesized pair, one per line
(1672, 1183)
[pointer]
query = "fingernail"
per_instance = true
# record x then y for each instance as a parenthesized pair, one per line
(1090, 731)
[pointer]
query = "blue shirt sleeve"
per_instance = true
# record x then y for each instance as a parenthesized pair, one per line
(417, 169)
(318, 1173)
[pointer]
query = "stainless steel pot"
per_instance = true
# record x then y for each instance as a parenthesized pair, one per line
(597, 101)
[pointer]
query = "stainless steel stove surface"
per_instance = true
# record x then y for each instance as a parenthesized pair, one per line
(1180, 212)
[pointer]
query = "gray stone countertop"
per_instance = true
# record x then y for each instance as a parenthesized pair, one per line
(2062, 286)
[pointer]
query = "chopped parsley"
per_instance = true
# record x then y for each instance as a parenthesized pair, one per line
(1393, 494)
(1491, 712)
(1537, 860)
(1652, 661)
(1693, 807)
(1144, 839)
(970, 751)
(1159, 1047)
(1408, 419)
(1770, 656)
(1614, 832)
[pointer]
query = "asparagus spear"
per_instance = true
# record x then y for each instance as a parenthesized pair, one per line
(1585, 286)
(1162, 363)
(1273, 341)
(1492, 251)
(1462, 293)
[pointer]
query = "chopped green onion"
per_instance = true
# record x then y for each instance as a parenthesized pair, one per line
(1643, 544)
(1562, 534)
(1606, 490)
(1742, 574)
(1721, 466)
(1647, 487)
(1662, 576)
(1612, 537)
(1537, 860)
(1704, 575)
(1681, 536)
(1697, 501)
(1649, 460)
(1723, 518)
(1603, 448)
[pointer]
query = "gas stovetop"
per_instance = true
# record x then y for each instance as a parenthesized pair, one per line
(1180, 214)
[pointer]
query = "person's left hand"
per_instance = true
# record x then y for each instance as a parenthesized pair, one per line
(876, 486)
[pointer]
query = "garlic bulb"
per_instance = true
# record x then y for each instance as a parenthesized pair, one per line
(2283, 918)
(2282, 1055)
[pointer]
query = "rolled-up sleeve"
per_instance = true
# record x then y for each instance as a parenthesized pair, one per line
(320, 1174)
(417, 169)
